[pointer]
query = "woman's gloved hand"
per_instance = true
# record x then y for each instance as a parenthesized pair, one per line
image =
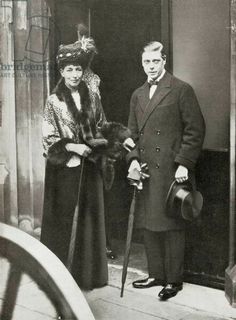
(81, 149)
(129, 144)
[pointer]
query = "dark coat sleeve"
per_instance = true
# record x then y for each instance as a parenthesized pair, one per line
(133, 126)
(193, 128)
(57, 153)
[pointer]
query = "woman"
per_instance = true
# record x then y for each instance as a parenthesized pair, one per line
(72, 118)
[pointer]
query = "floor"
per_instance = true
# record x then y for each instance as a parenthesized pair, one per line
(193, 303)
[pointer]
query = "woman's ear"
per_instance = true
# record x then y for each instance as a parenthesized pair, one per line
(62, 72)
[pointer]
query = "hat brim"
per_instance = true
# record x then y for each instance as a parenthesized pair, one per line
(191, 205)
(182, 201)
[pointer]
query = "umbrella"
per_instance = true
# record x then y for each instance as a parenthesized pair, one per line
(128, 241)
(75, 222)
(135, 178)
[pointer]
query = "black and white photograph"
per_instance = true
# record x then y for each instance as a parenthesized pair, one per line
(117, 159)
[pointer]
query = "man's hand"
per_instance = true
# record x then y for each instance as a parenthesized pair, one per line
(134, 170)
(181, 174)
(79, 148)
(137, 173)
(134, 175)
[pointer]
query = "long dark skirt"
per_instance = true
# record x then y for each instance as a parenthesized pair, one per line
(89, 267)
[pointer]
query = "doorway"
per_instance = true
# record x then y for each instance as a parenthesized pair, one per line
(121, 29)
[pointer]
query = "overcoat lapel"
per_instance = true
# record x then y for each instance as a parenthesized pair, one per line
(143, 96)
(164, 87)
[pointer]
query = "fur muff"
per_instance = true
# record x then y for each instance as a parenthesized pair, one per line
(57, 153)
(115, 134)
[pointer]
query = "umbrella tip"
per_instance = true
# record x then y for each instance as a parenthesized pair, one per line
(122, 292)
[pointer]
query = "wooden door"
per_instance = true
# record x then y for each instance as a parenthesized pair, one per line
(120, 29)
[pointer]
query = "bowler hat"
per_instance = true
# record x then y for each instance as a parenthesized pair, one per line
(183, 201)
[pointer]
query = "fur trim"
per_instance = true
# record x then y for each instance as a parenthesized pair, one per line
(64, 94)
(115, 134)
(57, 153)
(106, 143)
(108, 172)
(85, 116)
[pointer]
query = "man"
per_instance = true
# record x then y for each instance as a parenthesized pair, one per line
(168, 128)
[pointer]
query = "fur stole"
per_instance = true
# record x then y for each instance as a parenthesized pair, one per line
(106, 141)
(86, 117)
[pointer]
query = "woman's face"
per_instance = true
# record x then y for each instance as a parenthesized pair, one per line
(72, 75)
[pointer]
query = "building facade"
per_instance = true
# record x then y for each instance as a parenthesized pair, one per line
(199, 36)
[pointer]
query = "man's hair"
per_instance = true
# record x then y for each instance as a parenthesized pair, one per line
(154, 46)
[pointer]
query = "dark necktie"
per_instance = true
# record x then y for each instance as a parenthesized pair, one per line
(153, 82)
(152, 87)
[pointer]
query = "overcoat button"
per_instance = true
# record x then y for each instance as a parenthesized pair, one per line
(158, 132)
(141, 133)
(158, 149)
(142, 149)
(157, 166)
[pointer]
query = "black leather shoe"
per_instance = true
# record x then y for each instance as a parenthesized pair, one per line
(170, 290)
(147, 283)
(110, 254)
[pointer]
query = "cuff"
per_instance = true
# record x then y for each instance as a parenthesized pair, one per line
(185, 162)
(57, 153)
(132, 155)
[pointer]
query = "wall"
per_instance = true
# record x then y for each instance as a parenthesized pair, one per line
(24, 29)
(201, 56)
(201, 51)
(8, 125)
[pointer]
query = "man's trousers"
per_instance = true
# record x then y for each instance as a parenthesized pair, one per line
(165, 254)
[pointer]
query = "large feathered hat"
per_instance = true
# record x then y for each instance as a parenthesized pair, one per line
(79, 52)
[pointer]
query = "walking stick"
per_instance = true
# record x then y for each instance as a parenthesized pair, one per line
(75, 221)
(128, 241)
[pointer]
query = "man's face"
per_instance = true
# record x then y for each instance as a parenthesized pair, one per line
(153, 64)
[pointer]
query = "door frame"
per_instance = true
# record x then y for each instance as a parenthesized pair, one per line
(232, 242)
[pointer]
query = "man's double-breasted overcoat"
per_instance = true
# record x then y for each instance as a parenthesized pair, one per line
(169, 131)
